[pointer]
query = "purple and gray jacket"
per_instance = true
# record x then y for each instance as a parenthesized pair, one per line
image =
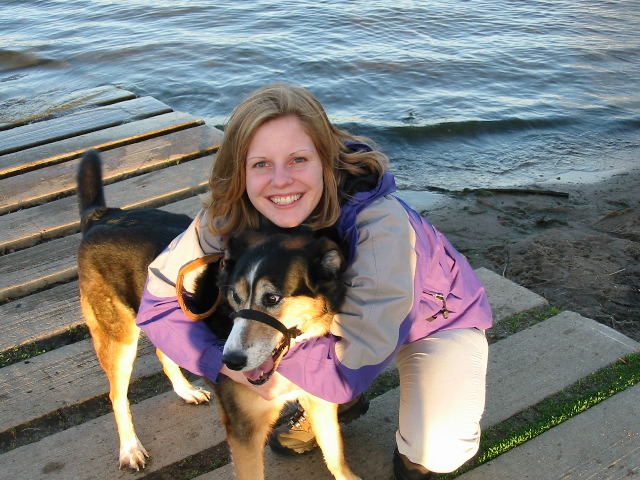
(405, 281)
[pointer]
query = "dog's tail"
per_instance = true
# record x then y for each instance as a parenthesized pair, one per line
(89, 186)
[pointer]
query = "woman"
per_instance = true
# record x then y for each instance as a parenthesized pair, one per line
(411, 296)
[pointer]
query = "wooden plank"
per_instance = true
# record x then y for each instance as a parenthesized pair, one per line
(28, 227)
(68, 149)
(39, 133)
(40, 316)
(74, 100)
(170, 430)
(41, 185)
(60, 378)
(35, 268)
(38, 267)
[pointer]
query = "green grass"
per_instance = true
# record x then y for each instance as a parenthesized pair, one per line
(520, 321)
(554, 410)
(30, 350)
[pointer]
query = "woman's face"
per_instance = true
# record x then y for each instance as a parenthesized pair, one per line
(284, 172)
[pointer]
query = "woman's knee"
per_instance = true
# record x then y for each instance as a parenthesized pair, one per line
(446, 449)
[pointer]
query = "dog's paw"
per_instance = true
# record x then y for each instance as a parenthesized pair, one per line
(191, 394)
(133, 456)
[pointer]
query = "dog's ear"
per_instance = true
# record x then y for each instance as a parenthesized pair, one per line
(327, 258)
(327, 265)
(206, 287)
(235, 246)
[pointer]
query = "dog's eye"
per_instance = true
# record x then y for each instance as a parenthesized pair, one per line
(271, 299)
(236, 298)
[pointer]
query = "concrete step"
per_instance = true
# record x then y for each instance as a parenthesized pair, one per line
(523, 369)
(506, 297)
(600, 443)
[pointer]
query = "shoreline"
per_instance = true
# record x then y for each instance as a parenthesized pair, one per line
(580, 251)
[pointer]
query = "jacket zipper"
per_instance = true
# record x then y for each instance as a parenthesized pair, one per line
(444, 311)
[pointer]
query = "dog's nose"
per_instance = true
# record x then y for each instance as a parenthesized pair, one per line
(234, 360)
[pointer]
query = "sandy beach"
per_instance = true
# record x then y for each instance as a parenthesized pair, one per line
(576, 244)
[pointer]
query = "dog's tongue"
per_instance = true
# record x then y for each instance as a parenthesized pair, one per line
(256, 373)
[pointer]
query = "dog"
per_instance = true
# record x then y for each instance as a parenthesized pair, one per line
(283, 288)
(116, 248)
(276, 288)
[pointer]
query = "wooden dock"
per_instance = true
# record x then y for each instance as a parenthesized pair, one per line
(152, 157)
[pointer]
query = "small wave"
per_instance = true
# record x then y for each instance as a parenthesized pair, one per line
(476, 127)
(12, 60)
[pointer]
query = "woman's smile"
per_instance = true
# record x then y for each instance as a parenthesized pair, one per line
(287, 200)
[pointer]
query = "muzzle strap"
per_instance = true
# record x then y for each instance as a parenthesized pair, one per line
(267, 319)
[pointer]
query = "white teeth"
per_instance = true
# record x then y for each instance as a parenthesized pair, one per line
(286, 200)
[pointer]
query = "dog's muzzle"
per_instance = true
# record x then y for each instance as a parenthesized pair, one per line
(280, 351)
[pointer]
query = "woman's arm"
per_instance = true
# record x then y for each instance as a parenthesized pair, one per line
(190, 344)
(369, 329)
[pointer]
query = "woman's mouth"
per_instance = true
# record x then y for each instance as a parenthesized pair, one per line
(285, 200)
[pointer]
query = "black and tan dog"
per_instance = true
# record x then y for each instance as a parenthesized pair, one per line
(117, 246)
(283, 287)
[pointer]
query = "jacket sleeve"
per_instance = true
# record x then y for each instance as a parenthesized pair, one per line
(369, 330)
(190, 344)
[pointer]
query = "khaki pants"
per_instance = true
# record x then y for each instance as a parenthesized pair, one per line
(442, 396)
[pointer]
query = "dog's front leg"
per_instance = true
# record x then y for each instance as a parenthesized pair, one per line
(324, 420)
(183, 388)
(247, 418)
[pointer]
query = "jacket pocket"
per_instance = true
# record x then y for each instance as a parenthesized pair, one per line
(436, 304)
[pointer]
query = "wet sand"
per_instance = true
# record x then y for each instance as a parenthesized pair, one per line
(579, 248)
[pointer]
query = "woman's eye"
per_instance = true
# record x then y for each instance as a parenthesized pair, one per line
(260, 164)
(299, 160)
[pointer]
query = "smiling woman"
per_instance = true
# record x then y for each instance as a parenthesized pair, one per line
(284, 172)
(281, 140)
(282, 163)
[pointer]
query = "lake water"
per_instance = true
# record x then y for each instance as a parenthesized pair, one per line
(459, 93)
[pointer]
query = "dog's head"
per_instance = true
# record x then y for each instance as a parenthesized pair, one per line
(292, 277)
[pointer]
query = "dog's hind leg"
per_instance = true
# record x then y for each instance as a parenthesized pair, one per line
(116, 344)
(181, 385)
(132, 453)
(324, 420)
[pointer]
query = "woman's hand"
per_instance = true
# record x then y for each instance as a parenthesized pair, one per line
(275, 387)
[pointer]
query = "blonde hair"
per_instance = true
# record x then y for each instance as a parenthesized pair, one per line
(228, 207)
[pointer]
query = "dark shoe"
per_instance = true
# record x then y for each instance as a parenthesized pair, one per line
(297, 436)
(348, 412)
(402, 472)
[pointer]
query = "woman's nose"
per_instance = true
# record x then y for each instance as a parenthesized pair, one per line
(281, 177)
